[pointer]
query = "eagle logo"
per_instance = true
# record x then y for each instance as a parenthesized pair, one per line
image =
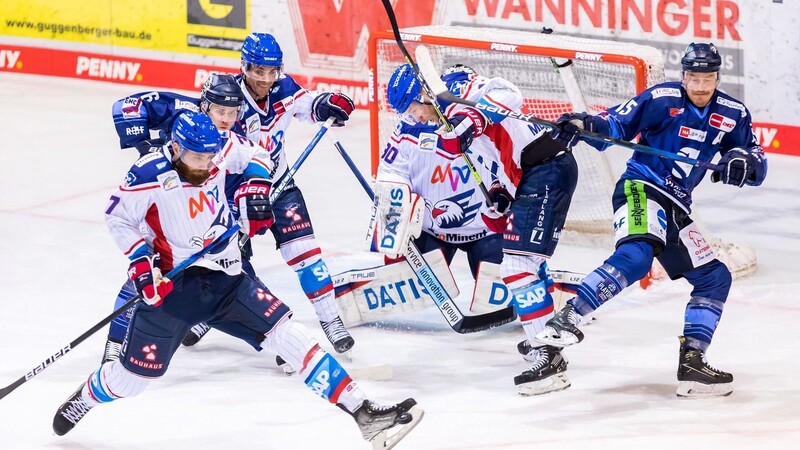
(455, 211)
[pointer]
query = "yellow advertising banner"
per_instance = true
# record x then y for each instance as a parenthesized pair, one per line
(209, 27)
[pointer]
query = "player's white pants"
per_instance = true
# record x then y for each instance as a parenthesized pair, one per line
(304, 257)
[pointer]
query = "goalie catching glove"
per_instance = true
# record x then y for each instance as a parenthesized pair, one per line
(255, 210)
(146, 276)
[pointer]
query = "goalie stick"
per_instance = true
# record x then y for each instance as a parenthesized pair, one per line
(387, 4)
(64, 350)
(455, 318)
(428, 71)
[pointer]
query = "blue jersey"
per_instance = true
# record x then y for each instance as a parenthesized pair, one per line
(668, 120)
(136, 115)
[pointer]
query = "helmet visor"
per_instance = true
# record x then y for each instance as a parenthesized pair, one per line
(260, 73)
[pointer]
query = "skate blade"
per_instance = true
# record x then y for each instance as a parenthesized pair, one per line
(555, 383)
(549, 336)
(381, 372)
(693, 389)
(385, 441)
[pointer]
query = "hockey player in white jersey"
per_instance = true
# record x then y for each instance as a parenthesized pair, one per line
(540, 173)
(181, 197)
(273, 100)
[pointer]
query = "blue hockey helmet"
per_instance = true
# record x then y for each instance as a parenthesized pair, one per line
(262, 49)
(223, 90)
(403, 88)
(196, 132)
(701, 58)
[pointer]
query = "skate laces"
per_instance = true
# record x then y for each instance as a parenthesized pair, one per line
(113, 350)
(200, 329)
(76, 410)
(542, 359)
(335, 330)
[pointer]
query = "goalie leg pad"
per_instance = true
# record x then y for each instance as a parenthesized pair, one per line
(397, 216)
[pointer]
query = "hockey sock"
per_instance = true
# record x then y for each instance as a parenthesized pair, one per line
(119, 326)
(712, 283)
(630, 262)
(304, 258)
(529, 294)
(320, 371)
(112, 381)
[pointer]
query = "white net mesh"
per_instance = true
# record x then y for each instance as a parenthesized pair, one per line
(607, 73)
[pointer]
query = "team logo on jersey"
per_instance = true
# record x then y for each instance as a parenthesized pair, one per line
(673, 112)
(169, 180)
(455, 211)
(130, 108)
(130, 178)
(427, 142)
(721, 122)
(693, 134)
(207, 199)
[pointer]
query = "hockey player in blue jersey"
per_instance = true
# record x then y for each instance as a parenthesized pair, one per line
(273, 100)
(653, 200)
(539, 172)
(214, 288)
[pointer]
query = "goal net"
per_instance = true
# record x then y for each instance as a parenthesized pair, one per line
(603, 74)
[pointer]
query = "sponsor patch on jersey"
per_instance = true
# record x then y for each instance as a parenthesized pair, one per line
(130, 108)
(182, 104)
(427, 142)
(665, 92)
(691, 133)
(721, 122)
(732, 104)
(130, 178)
(147, 158)
(253, 123)
(673, 112)
(169, 180)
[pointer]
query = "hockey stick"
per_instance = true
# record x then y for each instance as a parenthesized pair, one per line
(439, 89)
(63, 351)
(413, 256)
(387, 4)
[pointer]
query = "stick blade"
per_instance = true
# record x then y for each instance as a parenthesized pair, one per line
(428, 71)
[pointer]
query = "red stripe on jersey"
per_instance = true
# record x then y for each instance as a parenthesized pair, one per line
(338, 391)
(495, 102)
(303, 256)
(160, 244)
(134, 246)
(405, 137)
(505, 146)
(309, 355)
(537, 314)
(143, 187)
(512, 278)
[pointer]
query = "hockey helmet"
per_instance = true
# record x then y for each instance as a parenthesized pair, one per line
(223, 90)
(196, 132)
(457, 72)
(701, 58)
(262, 49)
(403, 88)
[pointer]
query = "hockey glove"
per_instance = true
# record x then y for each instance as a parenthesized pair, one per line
(500, 198)
(467, 124)
(338, 106)
(146, 276)
(739, 167)
(255, 210)
(568, 128)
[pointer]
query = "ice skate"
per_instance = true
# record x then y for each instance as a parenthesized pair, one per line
(113, 349)
(562, 329)
(547, 372)
(285, 366)
(337, 334)
(375, 422)
(195, 334)
(71, 412)
(696, 379)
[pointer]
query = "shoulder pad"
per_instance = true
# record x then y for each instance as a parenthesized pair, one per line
(147, 168)
(728, 102)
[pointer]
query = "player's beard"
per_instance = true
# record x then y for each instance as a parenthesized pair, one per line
(194, 176)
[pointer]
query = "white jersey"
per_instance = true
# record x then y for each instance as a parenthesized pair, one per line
(266, 124)
(453, 201)
(508, 137)
(181, 218)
